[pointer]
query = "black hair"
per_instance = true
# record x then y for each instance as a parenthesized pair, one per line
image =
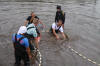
(58, 7)
(37, 17)
(59, 20)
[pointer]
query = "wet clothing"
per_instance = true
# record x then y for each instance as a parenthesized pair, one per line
(23, 42)
(57, 29)
(20, 45)
(32, 31)
(60, 15)
(29, 19)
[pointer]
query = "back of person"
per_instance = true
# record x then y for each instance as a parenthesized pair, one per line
(31, 30)
(20, 43)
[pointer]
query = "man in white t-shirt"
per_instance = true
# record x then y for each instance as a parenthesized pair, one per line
(57, 27)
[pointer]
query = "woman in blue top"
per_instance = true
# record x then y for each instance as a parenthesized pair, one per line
(21, 47)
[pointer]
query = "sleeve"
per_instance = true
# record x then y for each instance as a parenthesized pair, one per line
(53, 26)
(61, 29)
(28, 19)
(26, 42)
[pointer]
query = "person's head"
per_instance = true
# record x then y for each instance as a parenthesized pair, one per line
(59, 23)
(35, 21)
(32, 14)
(37, 18)
(58, 8)
(22, 30)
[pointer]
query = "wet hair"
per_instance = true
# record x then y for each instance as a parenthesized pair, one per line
(34, 21)
(37, 17)
(58, 7)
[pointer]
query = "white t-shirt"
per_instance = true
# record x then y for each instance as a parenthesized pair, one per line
(54, 26)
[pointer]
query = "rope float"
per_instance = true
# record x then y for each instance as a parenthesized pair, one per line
(84, 57)
(81, 55)
(40, 59)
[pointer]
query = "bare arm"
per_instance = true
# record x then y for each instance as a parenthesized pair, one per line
(63, 35)
(36, 42)
(42, 23)
(57, 37)
(28, 52)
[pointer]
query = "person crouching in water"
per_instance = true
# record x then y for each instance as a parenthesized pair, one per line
(21, 47)
(56, 28)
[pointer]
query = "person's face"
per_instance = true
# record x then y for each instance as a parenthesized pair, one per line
(36, 21)
(58, 10)
(32, 14)
(59, 23)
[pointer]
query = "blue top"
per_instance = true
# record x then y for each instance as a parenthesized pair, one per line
(24, 41)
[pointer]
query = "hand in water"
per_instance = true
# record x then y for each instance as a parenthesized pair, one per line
(57, 37)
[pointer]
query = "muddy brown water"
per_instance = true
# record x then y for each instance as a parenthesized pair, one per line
(82, 26)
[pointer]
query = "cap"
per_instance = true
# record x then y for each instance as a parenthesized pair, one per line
(58, 7)
(22, 30)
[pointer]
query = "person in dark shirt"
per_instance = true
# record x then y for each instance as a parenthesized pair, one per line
(60, 15)
(30, 19)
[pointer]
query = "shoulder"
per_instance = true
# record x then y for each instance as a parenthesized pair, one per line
(63, 12)
(30, 25)
(29, 17)
(53, 24)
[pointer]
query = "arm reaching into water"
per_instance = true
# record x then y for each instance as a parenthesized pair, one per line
(57, 37)
(63, 35)
(28, 52)
(42, 24)
(36, 42)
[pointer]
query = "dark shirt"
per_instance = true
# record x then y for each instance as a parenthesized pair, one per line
(60, 15)
(29, 19)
